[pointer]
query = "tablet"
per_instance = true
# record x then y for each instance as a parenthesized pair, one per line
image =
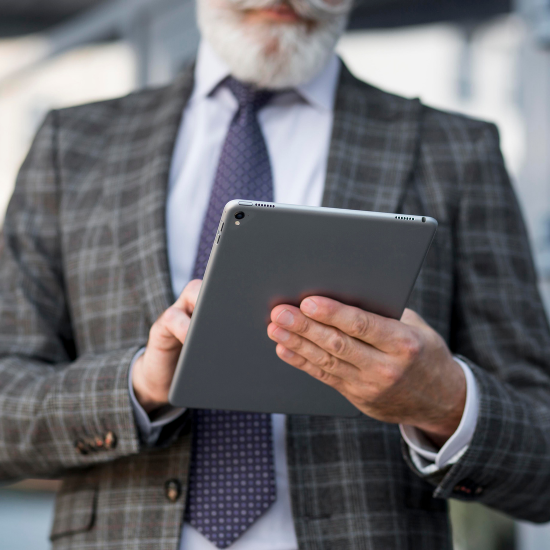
(266, 254)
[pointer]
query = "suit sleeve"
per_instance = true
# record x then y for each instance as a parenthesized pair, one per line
(500, 329)
(57, 411)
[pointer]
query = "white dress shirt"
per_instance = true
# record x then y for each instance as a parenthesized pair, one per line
(297, 128)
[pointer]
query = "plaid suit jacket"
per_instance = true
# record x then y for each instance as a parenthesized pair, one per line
(84, 273)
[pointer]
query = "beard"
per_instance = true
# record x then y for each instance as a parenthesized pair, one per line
(268, 54)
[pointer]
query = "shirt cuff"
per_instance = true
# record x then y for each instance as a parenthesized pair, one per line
(424, 454)
(149, 430)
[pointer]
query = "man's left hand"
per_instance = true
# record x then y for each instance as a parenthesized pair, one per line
(394, 371)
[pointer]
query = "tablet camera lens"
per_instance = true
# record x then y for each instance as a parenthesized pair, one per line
(239, 215)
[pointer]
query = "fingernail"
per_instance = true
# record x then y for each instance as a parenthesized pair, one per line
(281, 334)
(309, 306)
(286, 353)
(285, 318)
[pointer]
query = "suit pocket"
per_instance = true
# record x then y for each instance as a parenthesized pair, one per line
(75, 512)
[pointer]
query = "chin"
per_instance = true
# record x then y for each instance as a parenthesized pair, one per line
(269, 54)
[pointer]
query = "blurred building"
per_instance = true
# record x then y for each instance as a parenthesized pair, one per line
(485, 58)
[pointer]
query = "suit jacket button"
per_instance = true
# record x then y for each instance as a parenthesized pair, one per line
(90, 444)
(110, 440)
(172, 489)
(468, 488)
(81, 447)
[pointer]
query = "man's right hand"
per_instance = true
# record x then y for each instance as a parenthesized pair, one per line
(153, 371)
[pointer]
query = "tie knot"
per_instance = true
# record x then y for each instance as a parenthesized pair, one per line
(247, 95)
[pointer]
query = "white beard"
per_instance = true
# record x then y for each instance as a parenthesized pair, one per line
(269, 55)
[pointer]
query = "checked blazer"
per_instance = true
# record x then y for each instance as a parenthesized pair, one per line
(84, 273)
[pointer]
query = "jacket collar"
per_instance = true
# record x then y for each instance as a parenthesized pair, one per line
(136, 188)
(371, 158)
(373, 148)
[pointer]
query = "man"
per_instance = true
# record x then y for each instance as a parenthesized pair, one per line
(111, 218)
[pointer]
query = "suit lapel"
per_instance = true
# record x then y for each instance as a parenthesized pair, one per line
(136, 178)
(372, 153)
(373, 147)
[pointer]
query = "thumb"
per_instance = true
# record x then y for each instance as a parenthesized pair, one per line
(412, 319)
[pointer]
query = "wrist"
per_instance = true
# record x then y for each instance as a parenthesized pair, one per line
(448, 415)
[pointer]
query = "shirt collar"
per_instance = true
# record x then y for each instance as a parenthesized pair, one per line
(210, 70)
(320, 90)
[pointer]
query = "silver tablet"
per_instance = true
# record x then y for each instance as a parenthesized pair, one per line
(267, 254)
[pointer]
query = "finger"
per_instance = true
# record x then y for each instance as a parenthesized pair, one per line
(328, 338)
(297, 361)
(188, 298)
(384, 334)
(170, 330)
(313, 353)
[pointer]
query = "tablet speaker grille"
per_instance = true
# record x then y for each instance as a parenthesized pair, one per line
(264, 205)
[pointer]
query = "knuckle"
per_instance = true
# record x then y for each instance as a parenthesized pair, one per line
(328, 362)
(391, 376)
(324, 376)
(360, 325)
(304, 326)
(336, 343)
(297, 343)
(157, 332)
(322, 360)
(170, 315)
(411, 348)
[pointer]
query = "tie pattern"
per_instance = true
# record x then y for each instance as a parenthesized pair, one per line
(232, 474)
(243, 170)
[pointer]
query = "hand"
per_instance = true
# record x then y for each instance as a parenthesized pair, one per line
(154, 370)
(394, 371)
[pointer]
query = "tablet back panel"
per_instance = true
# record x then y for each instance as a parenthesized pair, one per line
(281, 254)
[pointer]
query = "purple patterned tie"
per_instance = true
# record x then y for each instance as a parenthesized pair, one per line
(232, 475)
